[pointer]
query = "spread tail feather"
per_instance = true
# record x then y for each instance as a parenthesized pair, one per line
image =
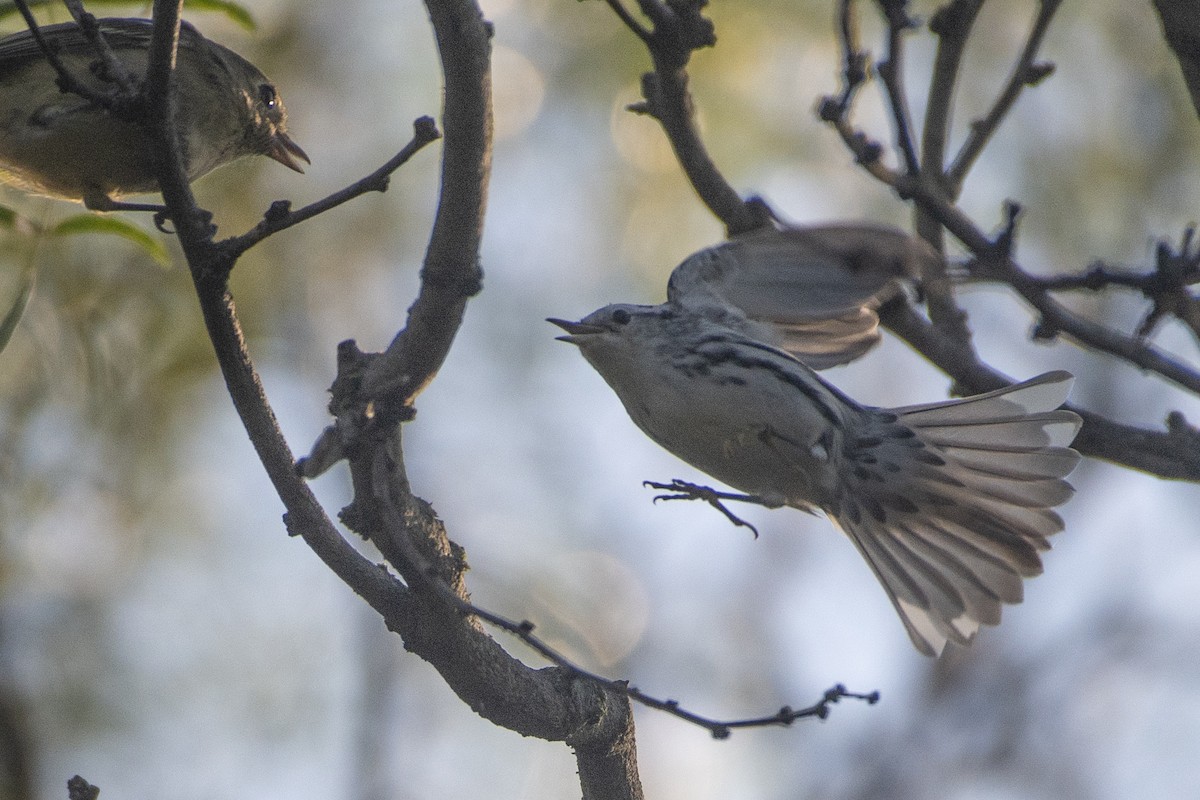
(968, 506)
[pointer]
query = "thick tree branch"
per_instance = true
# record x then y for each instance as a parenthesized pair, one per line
(210, 271)
(451, 274)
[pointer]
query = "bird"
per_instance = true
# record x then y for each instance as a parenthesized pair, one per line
(61, 145)
(950, 503)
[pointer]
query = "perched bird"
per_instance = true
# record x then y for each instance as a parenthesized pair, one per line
(950, 503)
(58, 144)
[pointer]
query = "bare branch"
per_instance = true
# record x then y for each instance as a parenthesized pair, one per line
(854, 63)
(679, 29)
(113, 66)
(892, 73)
(441, 576)
(67, 81)
(952, 24)
(1025, 73)
(451, 274)
(280, 217)
(993, 264)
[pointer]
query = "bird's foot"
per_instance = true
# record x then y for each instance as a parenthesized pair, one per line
(682, 490)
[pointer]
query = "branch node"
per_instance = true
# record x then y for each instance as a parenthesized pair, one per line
(1177, 425)
(1002, 245)
(1045, 331)
(830, 109)
(277, 212)
(79, 789)
(1036, 73)
(641, 107)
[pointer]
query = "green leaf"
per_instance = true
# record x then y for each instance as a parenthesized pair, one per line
(235, 11)
(9, 324)
(114, 226)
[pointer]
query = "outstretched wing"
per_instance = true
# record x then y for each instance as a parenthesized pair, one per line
(953, 538)
(814, 289)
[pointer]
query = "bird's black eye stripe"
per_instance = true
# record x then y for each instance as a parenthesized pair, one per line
(266, 94)
(621, 316)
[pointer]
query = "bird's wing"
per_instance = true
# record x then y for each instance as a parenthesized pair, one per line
(816, 288)
(952, 503)
(66, 37)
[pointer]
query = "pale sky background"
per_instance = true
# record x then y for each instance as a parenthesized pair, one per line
(169, 638)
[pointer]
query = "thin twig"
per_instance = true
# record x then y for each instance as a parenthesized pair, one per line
(623, 14)
(67, 81)
(113, 66)
(952, 24)
(524, 631)
(304, 516)
(892, 73)
(279, 217)
(1025, 73)
(1055, 319)
(679, 29)
(854, 61)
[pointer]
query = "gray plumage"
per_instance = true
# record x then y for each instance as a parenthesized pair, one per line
(950, 503)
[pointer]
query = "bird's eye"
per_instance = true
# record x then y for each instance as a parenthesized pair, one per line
(621, 316)
(267, 95)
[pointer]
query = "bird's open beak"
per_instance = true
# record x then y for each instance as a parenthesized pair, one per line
(285, 151)
(577, 330)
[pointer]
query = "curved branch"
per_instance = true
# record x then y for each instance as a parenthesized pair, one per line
(679, 29)
(209, 270)
(451, 274)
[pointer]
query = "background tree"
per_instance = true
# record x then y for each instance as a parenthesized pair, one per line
(111, 580)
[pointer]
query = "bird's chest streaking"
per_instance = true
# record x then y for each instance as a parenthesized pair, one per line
(742, 412)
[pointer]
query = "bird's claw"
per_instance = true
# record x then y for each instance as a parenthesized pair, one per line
(682, 490)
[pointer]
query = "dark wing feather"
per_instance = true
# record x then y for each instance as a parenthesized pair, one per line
(814, 289)
(981, 477)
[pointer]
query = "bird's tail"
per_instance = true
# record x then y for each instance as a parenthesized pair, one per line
(951, 503)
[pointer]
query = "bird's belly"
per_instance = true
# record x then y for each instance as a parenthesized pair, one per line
(755, 444)
(68, 151)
